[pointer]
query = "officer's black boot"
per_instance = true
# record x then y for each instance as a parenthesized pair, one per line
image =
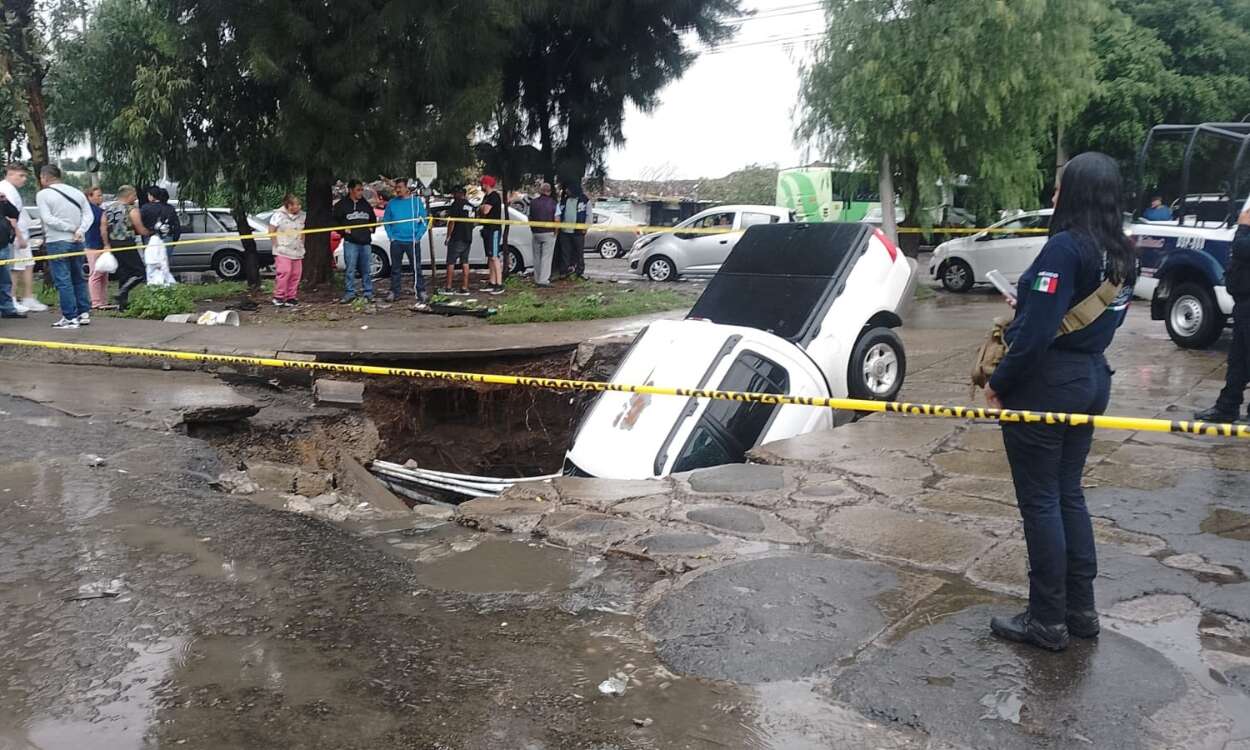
(1216, 414)
(1024, 629)
(1083, 624)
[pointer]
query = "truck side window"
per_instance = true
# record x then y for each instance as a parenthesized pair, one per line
(728, 429)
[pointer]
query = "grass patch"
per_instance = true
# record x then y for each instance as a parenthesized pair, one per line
(923, 292)
(584, 300)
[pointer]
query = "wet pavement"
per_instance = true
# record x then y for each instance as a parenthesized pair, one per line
(834, 594)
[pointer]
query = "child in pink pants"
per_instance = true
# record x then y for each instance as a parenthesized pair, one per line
(286, 230)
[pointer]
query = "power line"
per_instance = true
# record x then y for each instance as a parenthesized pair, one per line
(767, 16)
(772, 41)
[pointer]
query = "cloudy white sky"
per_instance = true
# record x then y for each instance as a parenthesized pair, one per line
(733, 107)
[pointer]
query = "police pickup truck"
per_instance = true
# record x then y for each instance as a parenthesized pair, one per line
(1183, 258)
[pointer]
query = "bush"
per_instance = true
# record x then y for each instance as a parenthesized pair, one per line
(155, 302)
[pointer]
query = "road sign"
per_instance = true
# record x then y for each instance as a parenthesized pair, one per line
(427, 171)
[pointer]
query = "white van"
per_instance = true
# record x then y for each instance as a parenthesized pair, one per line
(796, 309)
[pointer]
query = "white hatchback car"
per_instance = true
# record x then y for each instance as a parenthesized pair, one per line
(964, 261)
(796, 309)
(665, 256)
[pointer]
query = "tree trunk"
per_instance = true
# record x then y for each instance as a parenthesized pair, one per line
(21, 65)
(503, 244)
(885, 180)
(251, 257)
(318, 261)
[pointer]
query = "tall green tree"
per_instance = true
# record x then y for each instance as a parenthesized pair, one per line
(572, 68)
(934, 90)
(1179, 61)
(23, 70)
(333, 88)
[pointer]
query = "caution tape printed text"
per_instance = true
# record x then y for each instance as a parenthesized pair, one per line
(893, 407)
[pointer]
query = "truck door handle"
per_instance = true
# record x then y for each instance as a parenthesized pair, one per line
(724, 242)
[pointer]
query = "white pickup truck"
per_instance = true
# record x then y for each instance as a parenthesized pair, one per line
(797, 309)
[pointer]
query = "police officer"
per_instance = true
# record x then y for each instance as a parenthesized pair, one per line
(1047, 371)
(1237, 281)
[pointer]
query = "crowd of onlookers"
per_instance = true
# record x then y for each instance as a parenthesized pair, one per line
(143, 228)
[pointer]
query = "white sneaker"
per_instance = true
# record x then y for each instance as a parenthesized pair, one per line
(23, 309)
(66, 323)
(33, 305)
(84, 319)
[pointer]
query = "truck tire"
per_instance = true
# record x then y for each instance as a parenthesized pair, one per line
(1193, 318)
(956, 276)
(878, 366)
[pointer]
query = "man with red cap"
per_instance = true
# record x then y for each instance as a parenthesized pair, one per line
(492, 209)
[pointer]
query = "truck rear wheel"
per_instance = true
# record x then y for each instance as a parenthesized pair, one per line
(878, 366)
(1194, 320)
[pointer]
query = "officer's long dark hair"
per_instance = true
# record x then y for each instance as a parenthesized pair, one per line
(1091, 200)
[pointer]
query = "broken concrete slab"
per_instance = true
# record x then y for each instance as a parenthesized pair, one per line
(924, 541)
(1004, 569)
(518, 511)
(147, 398)
(737, 478)
(603, 494)
(770, 619)
(992, 465)
(590, 530)
(286, 478)
(338, 392)
(355, 479)
(967, 505)
(1195, 563)
(747, 523)
(1152, 608)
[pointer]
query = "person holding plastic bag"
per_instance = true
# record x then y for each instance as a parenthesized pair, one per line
(96, 244)
(160, 225)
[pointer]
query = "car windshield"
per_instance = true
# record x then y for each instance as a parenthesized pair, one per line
(226, 220)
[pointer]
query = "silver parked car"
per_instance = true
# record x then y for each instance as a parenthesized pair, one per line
(666, 256)
(612, 234)
(222, 250)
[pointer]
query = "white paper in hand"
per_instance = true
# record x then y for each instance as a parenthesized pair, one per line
(1001, 284)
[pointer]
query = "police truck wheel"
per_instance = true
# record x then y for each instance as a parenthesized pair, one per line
(228, 264)
(956, 276)
(878, 366)
(1194, 320)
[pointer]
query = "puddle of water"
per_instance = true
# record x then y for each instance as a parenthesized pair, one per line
(496, 565)
(1230, 524)
(138, 531)
(107, 717)
(1178, 639)
(684, 711)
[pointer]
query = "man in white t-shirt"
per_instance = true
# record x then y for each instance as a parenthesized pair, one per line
(15, 176)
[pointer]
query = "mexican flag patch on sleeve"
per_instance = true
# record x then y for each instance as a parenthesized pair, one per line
(1047, 282)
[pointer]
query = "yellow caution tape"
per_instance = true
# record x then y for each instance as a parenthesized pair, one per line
(641, 230)
(894, 407)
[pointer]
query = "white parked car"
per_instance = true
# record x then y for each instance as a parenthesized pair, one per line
(796, 309)
(964, 261)
(518, 256)
(665, 256)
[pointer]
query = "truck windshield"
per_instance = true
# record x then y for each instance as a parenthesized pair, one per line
(728, 429)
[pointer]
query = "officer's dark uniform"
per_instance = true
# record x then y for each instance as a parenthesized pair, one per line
(1237, 282)
(1064, 374)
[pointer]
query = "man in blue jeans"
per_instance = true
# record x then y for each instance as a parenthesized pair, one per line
(405, 222)
(66, 217)
(354, 212)
(9, 216)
